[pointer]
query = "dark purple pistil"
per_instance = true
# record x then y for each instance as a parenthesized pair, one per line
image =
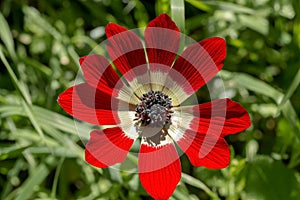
(153, 116)
(154, 108)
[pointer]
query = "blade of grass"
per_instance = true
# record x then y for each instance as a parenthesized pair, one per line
(252, 84)
(200, 5)
(264, 89)
(14, 78)
(9, 110)
(140, 13)
(12, 152)
(74, 56)
(6, 37)
(34, 121)
(179, 195)
(6, 151)
(36, 178)
(60, 151)
(294, 85)
(35, 16)
(61, 122)
(7, 187)
(56, 176)
(48, 118)
(37, 65)
(258, 24)
(30, 136)
(230, 7)
(177, 14)
(96, 48)
(296, 24)
(67, 142)
(198, 184)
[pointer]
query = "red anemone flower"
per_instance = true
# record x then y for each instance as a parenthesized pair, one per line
(146, 102)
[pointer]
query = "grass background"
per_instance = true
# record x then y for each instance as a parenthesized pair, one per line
(41, 153)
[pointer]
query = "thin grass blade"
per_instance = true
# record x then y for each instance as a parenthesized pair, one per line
(177, 14)
(292, 88)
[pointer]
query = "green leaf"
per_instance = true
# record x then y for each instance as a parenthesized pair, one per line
(285, 136)
(270, 180)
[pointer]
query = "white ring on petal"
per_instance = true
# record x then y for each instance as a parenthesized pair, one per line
(180, 123)
(140, 80)
(127, 124)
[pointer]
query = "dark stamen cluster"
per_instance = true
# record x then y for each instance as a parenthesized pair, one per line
(155, 108)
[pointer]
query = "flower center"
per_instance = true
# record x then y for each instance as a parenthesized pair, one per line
(153, 116)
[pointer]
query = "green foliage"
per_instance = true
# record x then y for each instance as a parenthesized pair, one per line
(41, 152)
(261, 182)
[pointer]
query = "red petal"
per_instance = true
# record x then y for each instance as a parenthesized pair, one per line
(200, 62)
(108, 147)
(125, 49)
(99, 73)
(91, 105)
(159, 170)
(205, 150)
(162, 39)
(220, 117)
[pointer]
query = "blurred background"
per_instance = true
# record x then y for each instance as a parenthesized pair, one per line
(41, 154)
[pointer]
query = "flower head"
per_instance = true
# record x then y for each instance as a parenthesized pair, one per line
(145, 104)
